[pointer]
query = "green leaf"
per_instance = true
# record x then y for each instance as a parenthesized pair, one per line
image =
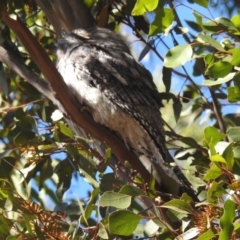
(75, 230)
(186, 198)
(212, 137)
(102, 232)
(47, 148)
(24, 138)
(64, 171)
(167, 77)
(146, 50)
(143, 6)
(15, 238)
(86, 166)
(227, 44)
(189, 141)
(178, 56)
(162, 22)
(114, 199)
(213, 173)
(73, 151)
(187, 95)
(226, 24)
(236, 152)
(236, 21)
(179, 206)
(217, 158)
(4, 225)
(107, 181)
(203, 3)
(139, 231)
(46, 172)
(176, 215)
(219, 24)
(3, 194)
(236, 226)
(123, 222)
(234, 133)
(220, 69)
(65, 130)
(194, 25)
(207, 39)
(151, 187)
(89, 3)
(198, 18)
(108, 153)
(177, 108)
(235, 56)
(226, 221)
(215, 192)
(209, 235)
(229, 156)
(88, 171)
(19, 113)
(209, 60)
(82, 219)
(28, 220)
(131, 191)
(157, 213)
(91, 205)
(233, 95)
(32, 121)
(211, 26)
(219, 81)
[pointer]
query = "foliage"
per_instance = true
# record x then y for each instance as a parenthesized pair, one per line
(41, 156)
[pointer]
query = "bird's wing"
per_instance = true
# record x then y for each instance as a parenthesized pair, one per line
(125, 83)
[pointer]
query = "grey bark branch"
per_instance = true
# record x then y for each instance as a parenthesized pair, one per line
(23, 71)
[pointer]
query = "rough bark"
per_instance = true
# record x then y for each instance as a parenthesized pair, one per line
(66, 15)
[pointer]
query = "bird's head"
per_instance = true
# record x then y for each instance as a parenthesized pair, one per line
(98, 37)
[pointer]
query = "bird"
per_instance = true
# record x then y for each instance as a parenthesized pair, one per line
(99, 69)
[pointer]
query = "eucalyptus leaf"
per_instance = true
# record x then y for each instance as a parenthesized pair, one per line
(162, 22)
(123, 222)
(143, 6)
(114, 199)
(226, 221)
(207, 39)
(178, 56)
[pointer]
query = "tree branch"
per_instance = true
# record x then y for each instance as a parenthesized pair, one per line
(217, 111)
(68, 101)
(71, 14)
(23, 71)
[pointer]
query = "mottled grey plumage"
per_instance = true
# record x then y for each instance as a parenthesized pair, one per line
(119, 92)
